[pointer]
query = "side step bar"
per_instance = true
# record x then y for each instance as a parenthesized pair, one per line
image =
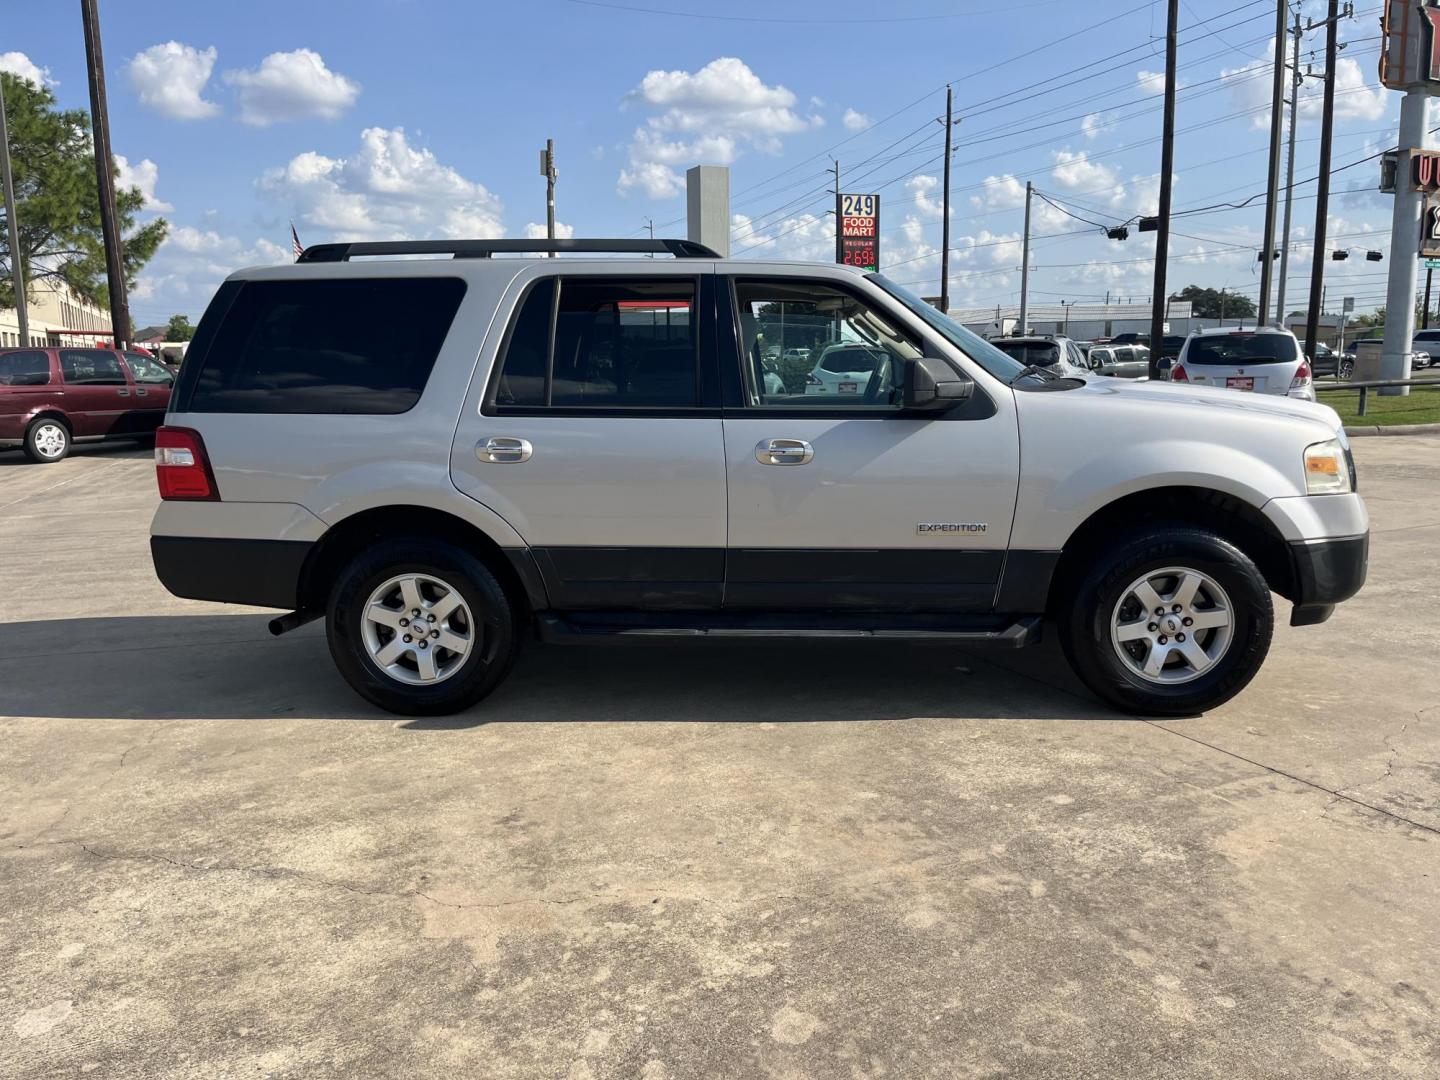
(576, 630)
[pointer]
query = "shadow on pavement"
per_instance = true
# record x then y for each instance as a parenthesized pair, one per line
(230, 667)
(120, 448)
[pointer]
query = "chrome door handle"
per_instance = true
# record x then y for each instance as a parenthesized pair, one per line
(122, 393)
(502, 450)
(784, 452)
(141, 392)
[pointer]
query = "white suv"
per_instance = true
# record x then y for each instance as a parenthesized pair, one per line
(440, 455)
(1265, 360)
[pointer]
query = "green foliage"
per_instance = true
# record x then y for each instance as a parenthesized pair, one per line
(53, 162)
(1208, 303)
(179, 329)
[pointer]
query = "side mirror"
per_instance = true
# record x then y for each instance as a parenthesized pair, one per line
(932, 384)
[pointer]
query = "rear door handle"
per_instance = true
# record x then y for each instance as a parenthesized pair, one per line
(784, 452)
(502, 450)
(140, 392)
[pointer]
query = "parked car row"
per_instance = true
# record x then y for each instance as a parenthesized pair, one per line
(55, 397)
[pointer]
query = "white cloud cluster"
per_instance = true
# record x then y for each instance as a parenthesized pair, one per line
(806, 237)
(144, 174)
(386, 190)
(1150, 82)
(291, 86)
(704, 117)
(1356, 97)
(534, 230)
(190, 265)
(855, 121)
(1075, 171)
(17, 63)
(171, 78)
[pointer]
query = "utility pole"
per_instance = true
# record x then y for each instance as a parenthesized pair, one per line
(1425, 313)
(1025, 264)
(104, 176)
(1167, 166)
(1272, 183)
(1295, 80)
(945, 208)
(839, 217)
(17, 272)
(650, 224)
(547, 170)
(1322, 186)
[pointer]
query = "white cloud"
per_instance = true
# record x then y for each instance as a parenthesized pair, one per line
(1356, 97)
(386, 190)
(17, 63)
(709, 116)
(920, 188)
(855, 121)
(1150, 82)
(1095, 123)
(999, 193)
(170, 78)
(191, 264)
(291, 86)
(806, 237)
(536, 231)
(1074, 170)
(143, 174)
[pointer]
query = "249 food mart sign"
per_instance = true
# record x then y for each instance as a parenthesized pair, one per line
(857, 237)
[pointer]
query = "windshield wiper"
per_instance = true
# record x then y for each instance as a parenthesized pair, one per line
(1044, 373)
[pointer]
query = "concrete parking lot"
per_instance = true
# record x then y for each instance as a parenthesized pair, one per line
(839, 861)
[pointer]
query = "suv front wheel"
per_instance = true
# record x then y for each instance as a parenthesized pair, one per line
(420, 627)
(1169, 622)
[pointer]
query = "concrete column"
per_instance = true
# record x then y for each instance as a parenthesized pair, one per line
(707, 202)
(1404, 248)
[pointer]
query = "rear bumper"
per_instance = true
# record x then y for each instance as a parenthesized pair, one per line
(262, 573)
(1326, 572)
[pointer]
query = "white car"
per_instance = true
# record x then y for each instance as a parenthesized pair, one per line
(1057, 354)
(1262, 360)
(587, 448)
(844, 369)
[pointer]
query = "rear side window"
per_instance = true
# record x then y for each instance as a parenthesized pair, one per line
(91, 367)
(30, 368)
(360, 345)
(1230, 349)
(612, 342)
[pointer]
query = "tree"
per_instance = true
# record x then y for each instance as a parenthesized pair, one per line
(179, 329)
(1208, 303)
(53, 162)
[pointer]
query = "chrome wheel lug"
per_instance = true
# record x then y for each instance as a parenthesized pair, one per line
(408, 639)
(1153, 627)
(424, 644)
(429, 618)
(1176, 609)
(404, 622)
(1159, 611)
(1163, 639)
(1188, 621)
(1180, 637)
(415, 613)
(434, 633)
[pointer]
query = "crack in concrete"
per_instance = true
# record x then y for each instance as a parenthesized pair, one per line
(124, 757)
(284, 873)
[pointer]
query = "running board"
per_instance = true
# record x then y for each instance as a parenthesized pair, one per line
(587, 628)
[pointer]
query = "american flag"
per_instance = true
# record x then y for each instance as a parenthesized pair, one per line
(295, 241)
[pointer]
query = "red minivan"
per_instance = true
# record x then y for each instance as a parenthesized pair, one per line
(51, 398)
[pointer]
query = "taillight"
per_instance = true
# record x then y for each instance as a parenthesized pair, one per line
(1302, 377)
(811, 379)
(182, 467)
(1177, 374)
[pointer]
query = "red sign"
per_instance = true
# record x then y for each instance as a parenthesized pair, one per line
(857, 239)
(1424, 170)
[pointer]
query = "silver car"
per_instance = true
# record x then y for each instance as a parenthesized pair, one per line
(1058, 354)
(591, 448)
(1264, 360)
(1121, 361)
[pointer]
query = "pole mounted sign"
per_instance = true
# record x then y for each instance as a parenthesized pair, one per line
(1430, 228)
(857, 235)
(1410, 44)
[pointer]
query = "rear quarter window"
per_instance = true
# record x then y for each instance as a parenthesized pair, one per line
(358, 345)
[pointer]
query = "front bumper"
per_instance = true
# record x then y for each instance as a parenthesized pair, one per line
(1326, 572)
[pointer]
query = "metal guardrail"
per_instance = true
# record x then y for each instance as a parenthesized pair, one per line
(1365, 387)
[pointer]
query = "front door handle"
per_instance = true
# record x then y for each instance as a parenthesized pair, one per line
(122, 393)
(784, 452)
(140, 391)
(502, 450)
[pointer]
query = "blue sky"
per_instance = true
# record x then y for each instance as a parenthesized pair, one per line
(391, 118)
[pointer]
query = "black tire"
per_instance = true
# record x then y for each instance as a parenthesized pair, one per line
(1345, 370)
(483, 668)
(43, 434)
(1085, 627)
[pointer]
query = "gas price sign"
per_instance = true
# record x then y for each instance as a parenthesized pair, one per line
(857, 242)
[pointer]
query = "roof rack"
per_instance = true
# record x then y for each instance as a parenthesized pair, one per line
(483, 249)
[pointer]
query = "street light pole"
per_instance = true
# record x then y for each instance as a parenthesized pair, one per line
(105, 177)
(1167, 166)
(1296, 80)
(1025, 267)
(1322, 185)
(12, 223)
(1272, 185)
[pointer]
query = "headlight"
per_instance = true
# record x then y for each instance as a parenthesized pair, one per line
(1326, 470)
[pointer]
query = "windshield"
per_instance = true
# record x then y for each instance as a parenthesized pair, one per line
(1241, 349)
(1044, 353)
(972, 345)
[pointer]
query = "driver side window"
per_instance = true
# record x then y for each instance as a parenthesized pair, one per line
(808, 343)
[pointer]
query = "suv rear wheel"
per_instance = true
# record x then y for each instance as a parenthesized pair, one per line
(47, 440)
(420, 627)
(1169, 622)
